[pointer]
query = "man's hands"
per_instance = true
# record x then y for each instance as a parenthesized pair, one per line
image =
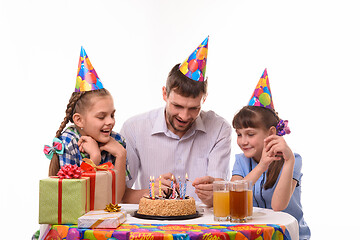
(204, 189)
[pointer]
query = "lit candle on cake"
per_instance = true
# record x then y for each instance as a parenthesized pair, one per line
(172, 181)
(153, 187)
(186, 179)
(180, 191)
(172, 187)
(150, 187)
(160, 187)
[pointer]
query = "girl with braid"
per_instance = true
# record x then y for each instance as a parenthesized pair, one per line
(91, 110)
(267, 160)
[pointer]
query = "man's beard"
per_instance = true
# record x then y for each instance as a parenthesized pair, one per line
(171, 121)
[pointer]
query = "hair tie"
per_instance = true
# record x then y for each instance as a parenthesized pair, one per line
(282, 128)
(57, 147)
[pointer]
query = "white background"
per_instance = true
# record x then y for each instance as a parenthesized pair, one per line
(310, 48)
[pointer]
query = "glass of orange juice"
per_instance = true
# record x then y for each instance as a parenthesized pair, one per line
(250, 199)
(221, 200)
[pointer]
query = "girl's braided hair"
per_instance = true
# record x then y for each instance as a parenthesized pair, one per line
(78, 102)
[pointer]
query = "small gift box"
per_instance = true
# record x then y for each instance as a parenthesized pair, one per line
(63, 201)
(103, 187)
(101, 219)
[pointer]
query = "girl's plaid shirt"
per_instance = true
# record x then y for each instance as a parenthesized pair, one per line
(73, 156)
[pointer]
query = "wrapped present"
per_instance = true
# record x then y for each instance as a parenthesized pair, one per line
(63, 201)
(101, 219)
(103, 178)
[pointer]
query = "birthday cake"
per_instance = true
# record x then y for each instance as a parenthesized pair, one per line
(167, 207)
(169, 203)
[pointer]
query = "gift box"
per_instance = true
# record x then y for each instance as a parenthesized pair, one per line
(103, 179)
(101, 219)
(63, 201)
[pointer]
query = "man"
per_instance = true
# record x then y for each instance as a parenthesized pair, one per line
(179, 139)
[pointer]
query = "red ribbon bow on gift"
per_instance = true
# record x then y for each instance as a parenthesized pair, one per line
(89, 166)
(69, 172)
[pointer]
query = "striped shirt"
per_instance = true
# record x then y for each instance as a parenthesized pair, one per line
(152, 149)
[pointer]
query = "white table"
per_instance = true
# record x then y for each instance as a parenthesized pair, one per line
(260, 216)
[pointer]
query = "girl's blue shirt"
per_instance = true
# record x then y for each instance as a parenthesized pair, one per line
(262, 198)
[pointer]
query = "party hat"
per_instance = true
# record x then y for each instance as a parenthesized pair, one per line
(87, 78)
(262, 95)
(194, 66)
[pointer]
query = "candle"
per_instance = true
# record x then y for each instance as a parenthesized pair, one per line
(160, 187)
(172, 181)
(153, 187)
(150, 187)
(180, 191)
(186, 179)
(172, 187)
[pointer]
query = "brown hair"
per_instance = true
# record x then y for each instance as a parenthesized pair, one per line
(260, 117)
(78, 102)
(183, 85)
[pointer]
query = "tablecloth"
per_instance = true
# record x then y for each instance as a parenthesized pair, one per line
(172, 232)
(266, 224)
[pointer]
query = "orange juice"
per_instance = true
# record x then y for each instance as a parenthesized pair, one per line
(250, 203)
(221, 204)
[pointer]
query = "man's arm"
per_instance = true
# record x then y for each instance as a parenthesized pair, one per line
(219, 157)
(218, 168)
(129, 134)
(133, 196)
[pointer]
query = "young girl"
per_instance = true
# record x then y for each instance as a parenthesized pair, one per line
(91, 109)
(267, 160)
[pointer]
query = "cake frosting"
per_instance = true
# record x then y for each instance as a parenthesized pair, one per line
(167, 207)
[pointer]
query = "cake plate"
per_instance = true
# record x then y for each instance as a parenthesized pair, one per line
(152, 217)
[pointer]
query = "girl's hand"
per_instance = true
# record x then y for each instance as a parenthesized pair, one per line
(267, 158)
(88, 145)
(114, 148)
(276, 146)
